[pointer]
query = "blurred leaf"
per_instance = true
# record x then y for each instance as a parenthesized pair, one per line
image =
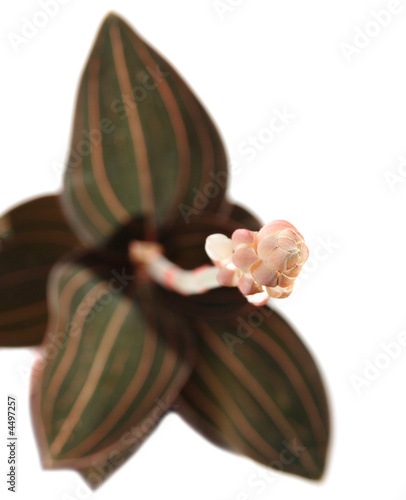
(184, 240)
(240, 216)
(33, 236)
(256, 390)
(143, 146)
(110, 367)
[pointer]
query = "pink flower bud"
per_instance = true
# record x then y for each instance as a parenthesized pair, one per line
(219, 248)
(262, 264)
(273, 257)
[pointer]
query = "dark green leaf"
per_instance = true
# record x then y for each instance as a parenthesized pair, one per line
(256, 390)
(142, 145)
(111, 366)
(33, 236)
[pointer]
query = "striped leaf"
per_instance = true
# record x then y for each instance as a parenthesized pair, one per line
(256, 390)
(110, 367)
(33, 236)
(143, 147)
(184, 241)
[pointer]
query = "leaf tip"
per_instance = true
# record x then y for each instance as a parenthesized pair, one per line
(112, 19)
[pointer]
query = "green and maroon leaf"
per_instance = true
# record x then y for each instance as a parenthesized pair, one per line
(240, 216)
(33, 236)
(143, 146)
(110, 366)
(184, 240)
(256, 390)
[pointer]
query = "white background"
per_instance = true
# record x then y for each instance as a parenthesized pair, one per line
(327, 172)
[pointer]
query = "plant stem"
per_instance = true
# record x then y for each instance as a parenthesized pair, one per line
(171, 276)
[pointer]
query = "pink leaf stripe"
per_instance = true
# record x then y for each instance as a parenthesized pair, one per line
(33, 236)
(256, 390)
(142, 145)
(110, 366)
(134, 122)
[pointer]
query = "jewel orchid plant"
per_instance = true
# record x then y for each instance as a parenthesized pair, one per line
(146, 289)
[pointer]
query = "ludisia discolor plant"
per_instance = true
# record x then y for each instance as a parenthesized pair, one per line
(147, 289)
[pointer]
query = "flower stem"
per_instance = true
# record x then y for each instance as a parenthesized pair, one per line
(171, 276)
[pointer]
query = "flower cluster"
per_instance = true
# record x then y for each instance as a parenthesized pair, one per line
(261, 264)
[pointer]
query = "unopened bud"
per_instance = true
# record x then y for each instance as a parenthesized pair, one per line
(264, 263)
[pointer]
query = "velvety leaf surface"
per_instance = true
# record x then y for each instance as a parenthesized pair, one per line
(142, 144)
(112, 363)
(33, 236)
(256, 390)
